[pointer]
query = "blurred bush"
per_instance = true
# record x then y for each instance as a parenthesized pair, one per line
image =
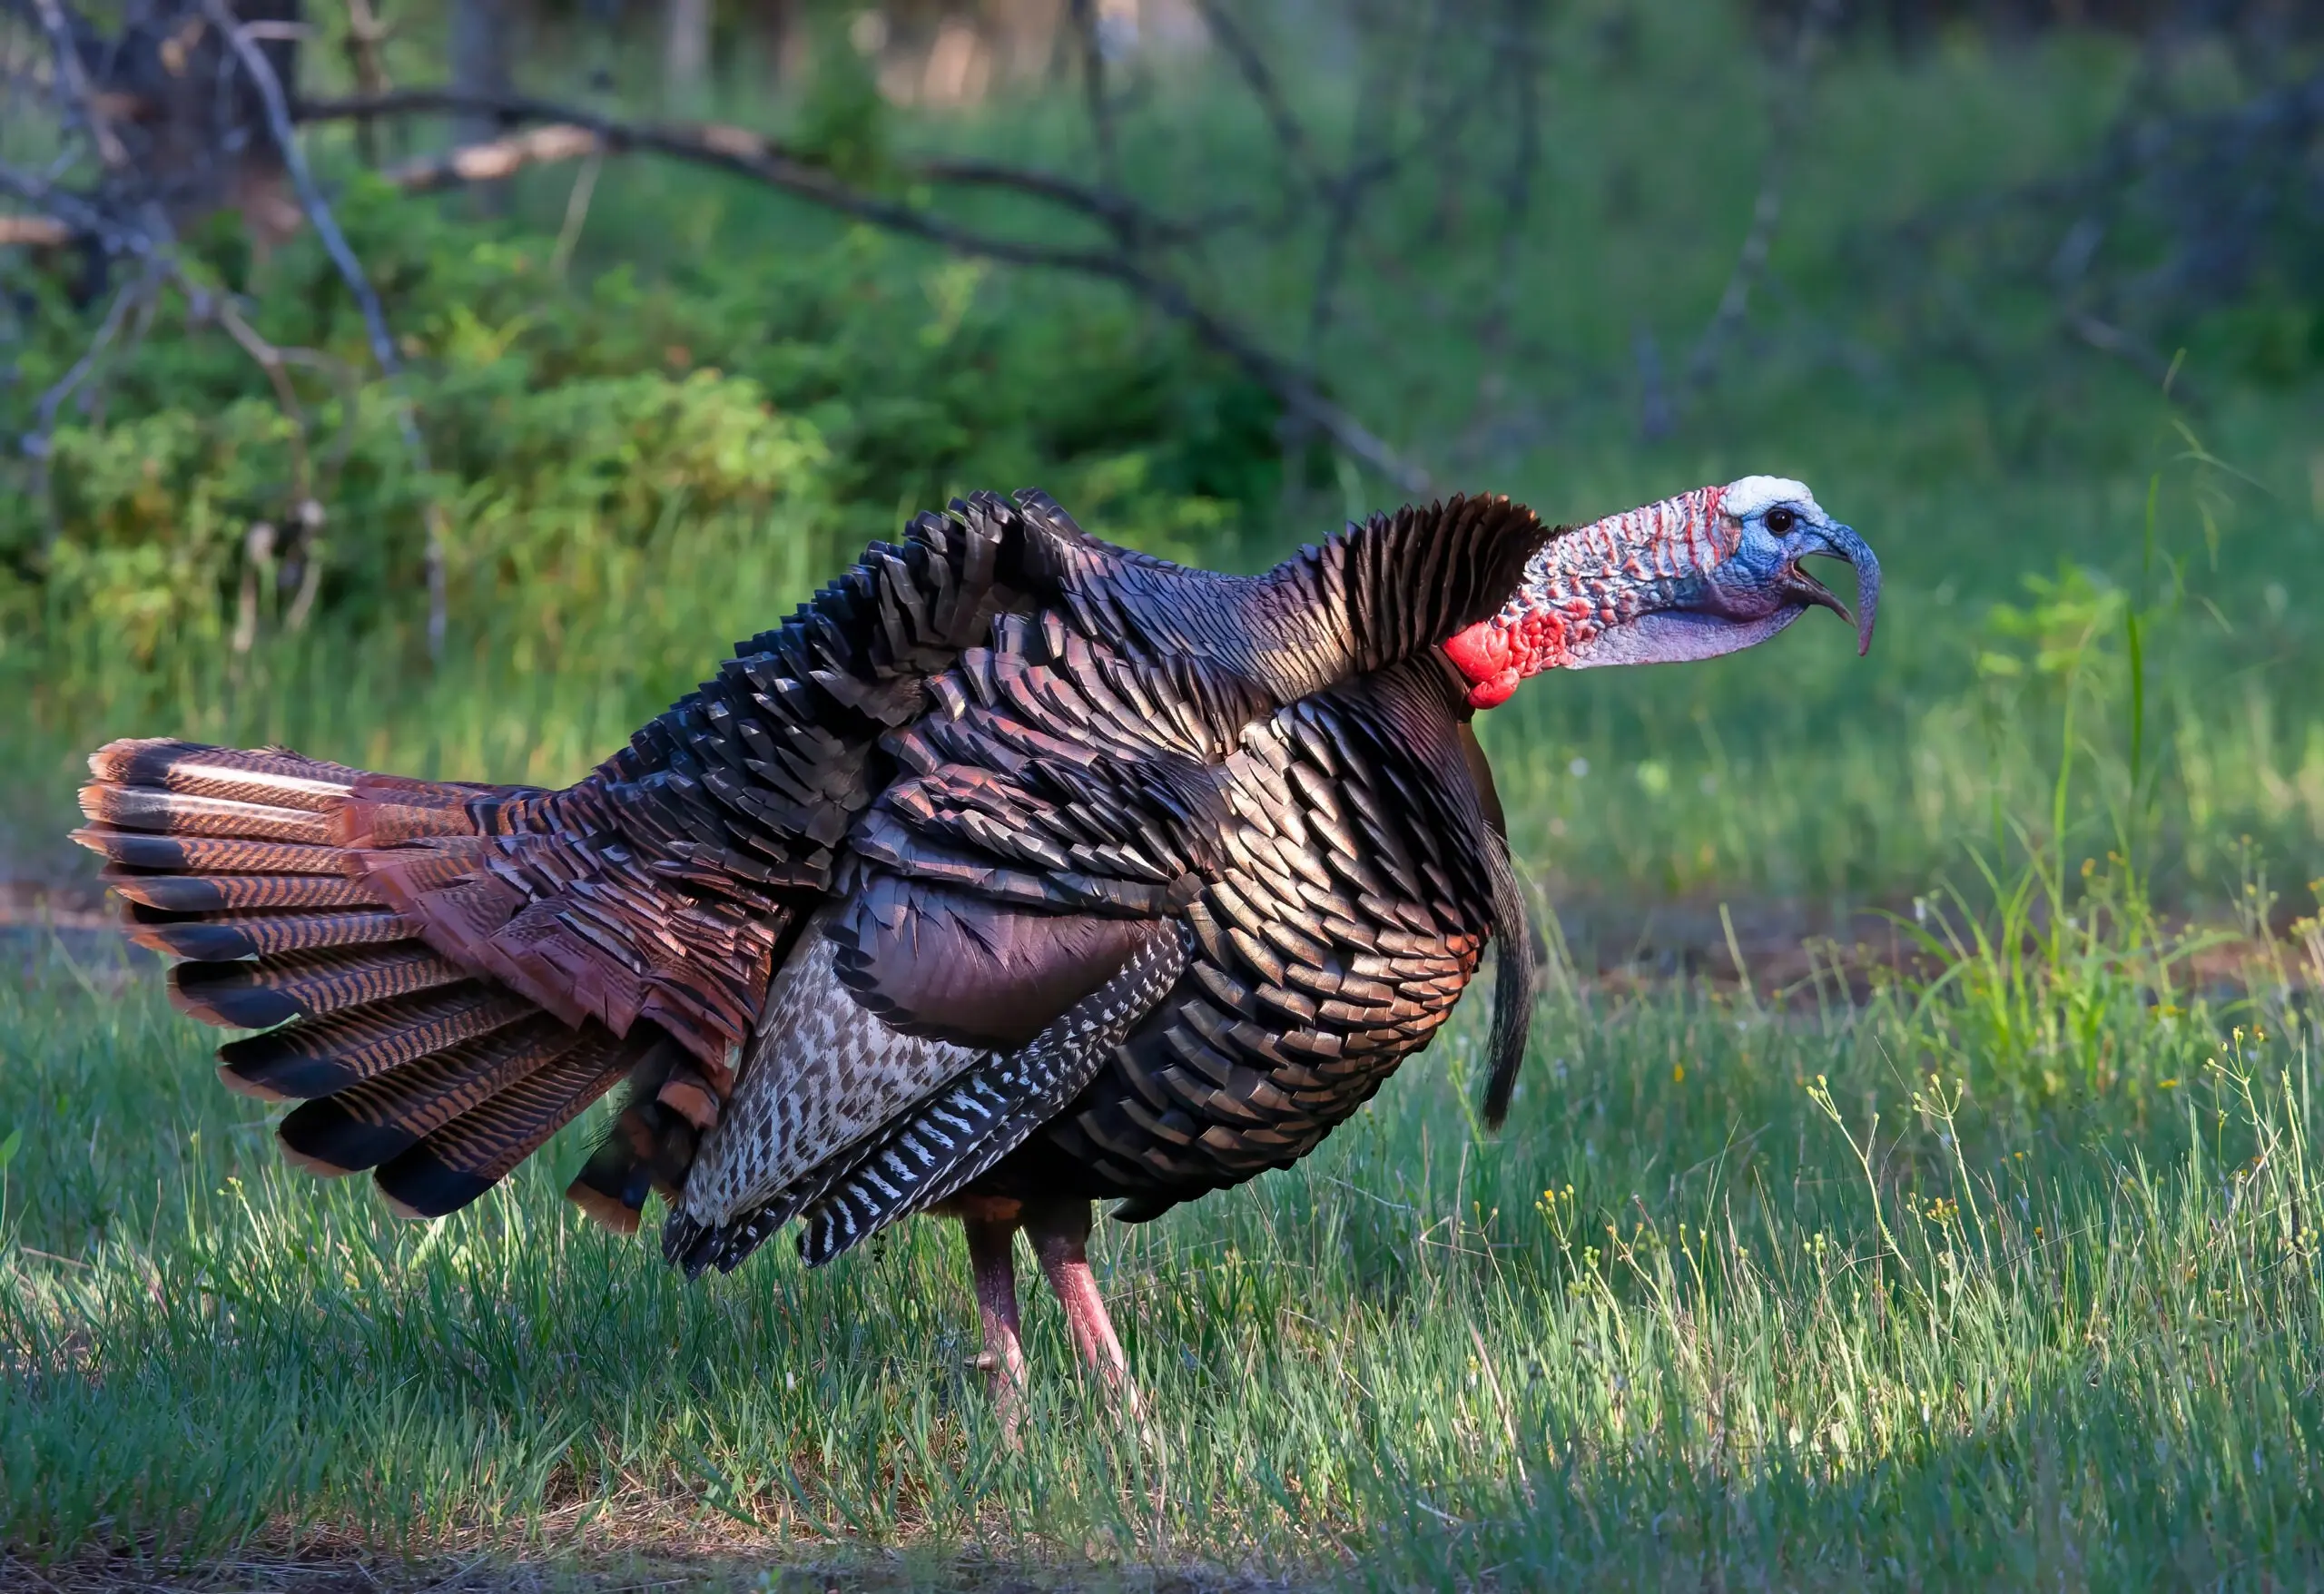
(824, 394)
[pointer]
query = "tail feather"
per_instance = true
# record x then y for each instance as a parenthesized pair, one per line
(330, 1054)
(149, 808)
(213, 893)
(273, 777)
(459, 1162)
(330, 907)
(208, 855)
(262, 935)
(368, 1124)
(306, 984)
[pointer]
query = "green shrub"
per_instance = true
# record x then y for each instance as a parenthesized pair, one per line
(827, 394)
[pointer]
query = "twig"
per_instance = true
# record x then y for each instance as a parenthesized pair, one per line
(1344, 198)
(1084, 13)
(75, 83)
(2109, 339)
(219, 308)
(350, 272)
(576, 214)
(1520, 59)
(365, 34)
(84, 219)
(311, 198)
(36, 442)
(306, 507)
(1228, 33)
(1653, 392)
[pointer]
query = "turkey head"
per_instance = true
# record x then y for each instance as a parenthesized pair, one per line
(1706, 573)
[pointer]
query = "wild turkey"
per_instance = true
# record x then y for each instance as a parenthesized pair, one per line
(1017, 869)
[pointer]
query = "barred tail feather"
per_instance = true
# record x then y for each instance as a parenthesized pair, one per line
(459, 1162)
(245, 995)
(251, 867)
(322, 1058)
(372, 1122)
(222, 938)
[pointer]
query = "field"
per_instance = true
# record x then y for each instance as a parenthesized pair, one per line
(1912, 1182)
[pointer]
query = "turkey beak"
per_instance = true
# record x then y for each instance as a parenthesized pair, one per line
(1835, 542)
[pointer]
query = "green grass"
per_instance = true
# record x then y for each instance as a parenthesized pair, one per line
(1911, 1292)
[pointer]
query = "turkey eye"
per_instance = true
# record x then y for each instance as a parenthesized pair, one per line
(1780, 521)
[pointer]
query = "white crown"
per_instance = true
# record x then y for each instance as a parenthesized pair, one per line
(1748, 495)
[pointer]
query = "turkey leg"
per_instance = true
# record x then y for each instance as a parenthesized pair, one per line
(1060, 1236)
(991, 1241)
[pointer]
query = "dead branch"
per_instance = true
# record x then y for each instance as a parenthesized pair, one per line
(2135, 351)
(749, 154)
(723, 142)
(128, 300)
(365, 34)
(169, 160)
(1519, 60)
(489, 162)
(77, 215)
(33, 233)
(125, 300)
(1095, 93)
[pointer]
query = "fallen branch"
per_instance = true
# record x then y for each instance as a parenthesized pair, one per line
(722, 143)
(489, 162)
(749, 154)
(33, 233)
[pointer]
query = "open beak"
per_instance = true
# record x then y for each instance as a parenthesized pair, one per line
(1835, 542)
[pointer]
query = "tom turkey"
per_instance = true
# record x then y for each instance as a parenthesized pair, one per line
(1015, 870)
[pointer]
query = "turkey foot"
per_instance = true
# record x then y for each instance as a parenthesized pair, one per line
(993, 1238)
(1060, 1235)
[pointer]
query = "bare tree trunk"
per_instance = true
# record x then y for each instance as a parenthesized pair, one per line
(480, 52)
(685, 58)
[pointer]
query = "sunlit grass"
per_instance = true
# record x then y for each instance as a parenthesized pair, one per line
(1740, 1291)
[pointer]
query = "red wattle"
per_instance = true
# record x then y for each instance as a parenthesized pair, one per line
(1487, 653)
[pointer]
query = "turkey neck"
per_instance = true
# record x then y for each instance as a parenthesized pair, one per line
(1371, 598)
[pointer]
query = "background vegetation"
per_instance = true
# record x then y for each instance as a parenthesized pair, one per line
(1975, 1241)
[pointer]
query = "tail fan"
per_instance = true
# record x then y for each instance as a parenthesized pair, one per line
(258, 870)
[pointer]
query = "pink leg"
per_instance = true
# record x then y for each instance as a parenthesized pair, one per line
(990, 1241)
(1060, 1235)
